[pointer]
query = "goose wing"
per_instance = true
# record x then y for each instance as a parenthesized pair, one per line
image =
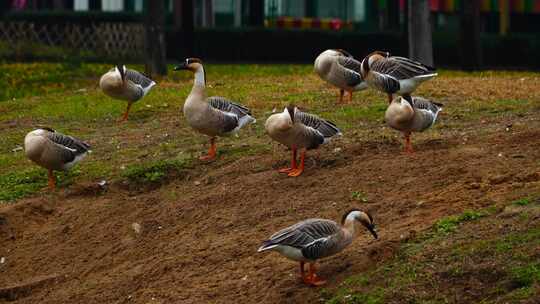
(401, 68)
(141, 81)
(325, 128)
(303, 234)
(231, 116)
(70, 147)
(226, 105)
(427, 111)
(350, 68)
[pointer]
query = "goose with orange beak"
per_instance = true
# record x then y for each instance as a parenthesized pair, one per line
(313, 239)
(298, 130)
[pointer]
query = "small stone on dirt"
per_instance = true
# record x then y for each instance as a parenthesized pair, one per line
(136, 227)
(337, 150)
(197, 183)
(2, 260)
(244, 278)
(102, 183)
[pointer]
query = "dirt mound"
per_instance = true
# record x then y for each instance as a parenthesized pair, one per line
(194, 240)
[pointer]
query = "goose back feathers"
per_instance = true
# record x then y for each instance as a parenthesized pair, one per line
(295, 128)
(340, 69)
(313, 239)
(412, 114)
(125, 84)
(53, 150)
(394, 74)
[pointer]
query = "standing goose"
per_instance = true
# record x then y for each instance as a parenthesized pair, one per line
(124, 84)
(214, 116)
(411, 114)
(393, 74)
(54, 151)
(299, 130)
(340, 69)
(313, 239)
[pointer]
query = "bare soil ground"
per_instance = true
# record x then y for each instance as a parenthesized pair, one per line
(197, 236)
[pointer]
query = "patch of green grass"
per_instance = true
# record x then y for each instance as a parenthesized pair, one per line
(154, 172)
(525, 276)
(522, 202)
(15, 185)
(359, 196)
(449, 224)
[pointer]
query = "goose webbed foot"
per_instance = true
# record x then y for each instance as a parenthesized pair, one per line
(298, 171)
(312, 278)
(408, 145)
(293, 163)
(212, 152)
(126, 113)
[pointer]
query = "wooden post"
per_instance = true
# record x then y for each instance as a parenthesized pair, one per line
(471, 49)
(154, 40)
(504, 17)
(420, 40)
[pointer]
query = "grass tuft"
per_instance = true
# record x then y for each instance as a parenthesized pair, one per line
(525, 276)
(449, 224)
(154, 172)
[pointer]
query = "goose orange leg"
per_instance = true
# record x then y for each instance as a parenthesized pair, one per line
(350, 96)
(408, 145)
(303, 273)
(340, 99)
(390, 98)
(126, 113)
(312, 278)
(212, 152)
(52, 180)
(293, 163)
(299, 170)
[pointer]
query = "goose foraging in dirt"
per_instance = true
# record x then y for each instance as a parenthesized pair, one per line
(213, 116)
(313, 239)
(340, 69)
(125, 84)
(411, 114)
(393, 74)
(299, 130)
(54, 151)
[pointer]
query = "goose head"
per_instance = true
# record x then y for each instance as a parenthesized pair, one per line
(190, 64)
(370, 59)
(362, 217)
(280, 122)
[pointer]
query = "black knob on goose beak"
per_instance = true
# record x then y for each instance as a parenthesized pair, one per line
(182, 66)
(371, 229)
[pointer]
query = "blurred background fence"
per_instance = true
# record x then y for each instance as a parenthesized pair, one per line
(261, 30)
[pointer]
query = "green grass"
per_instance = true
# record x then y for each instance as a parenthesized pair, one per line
(359, 196)
(155, 172)
(522, 202)
(66, 97)
(449, 224)
(435, 267)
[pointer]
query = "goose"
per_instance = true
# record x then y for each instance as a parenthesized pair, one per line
(54, 151)
(393, 74)
(340, 69)
(125, 84)
(213, 116)
(411, 114)
(299, 130)
(313, 239)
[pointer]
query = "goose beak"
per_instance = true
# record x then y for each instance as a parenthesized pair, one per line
(182, 66)
(373, 231)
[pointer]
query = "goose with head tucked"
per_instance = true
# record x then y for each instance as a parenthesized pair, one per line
(54, 151)
(411, 114)
(394, 74)
(313, 239)
(298, 130)
(213, 116)
(340, 69)
(125, 84)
